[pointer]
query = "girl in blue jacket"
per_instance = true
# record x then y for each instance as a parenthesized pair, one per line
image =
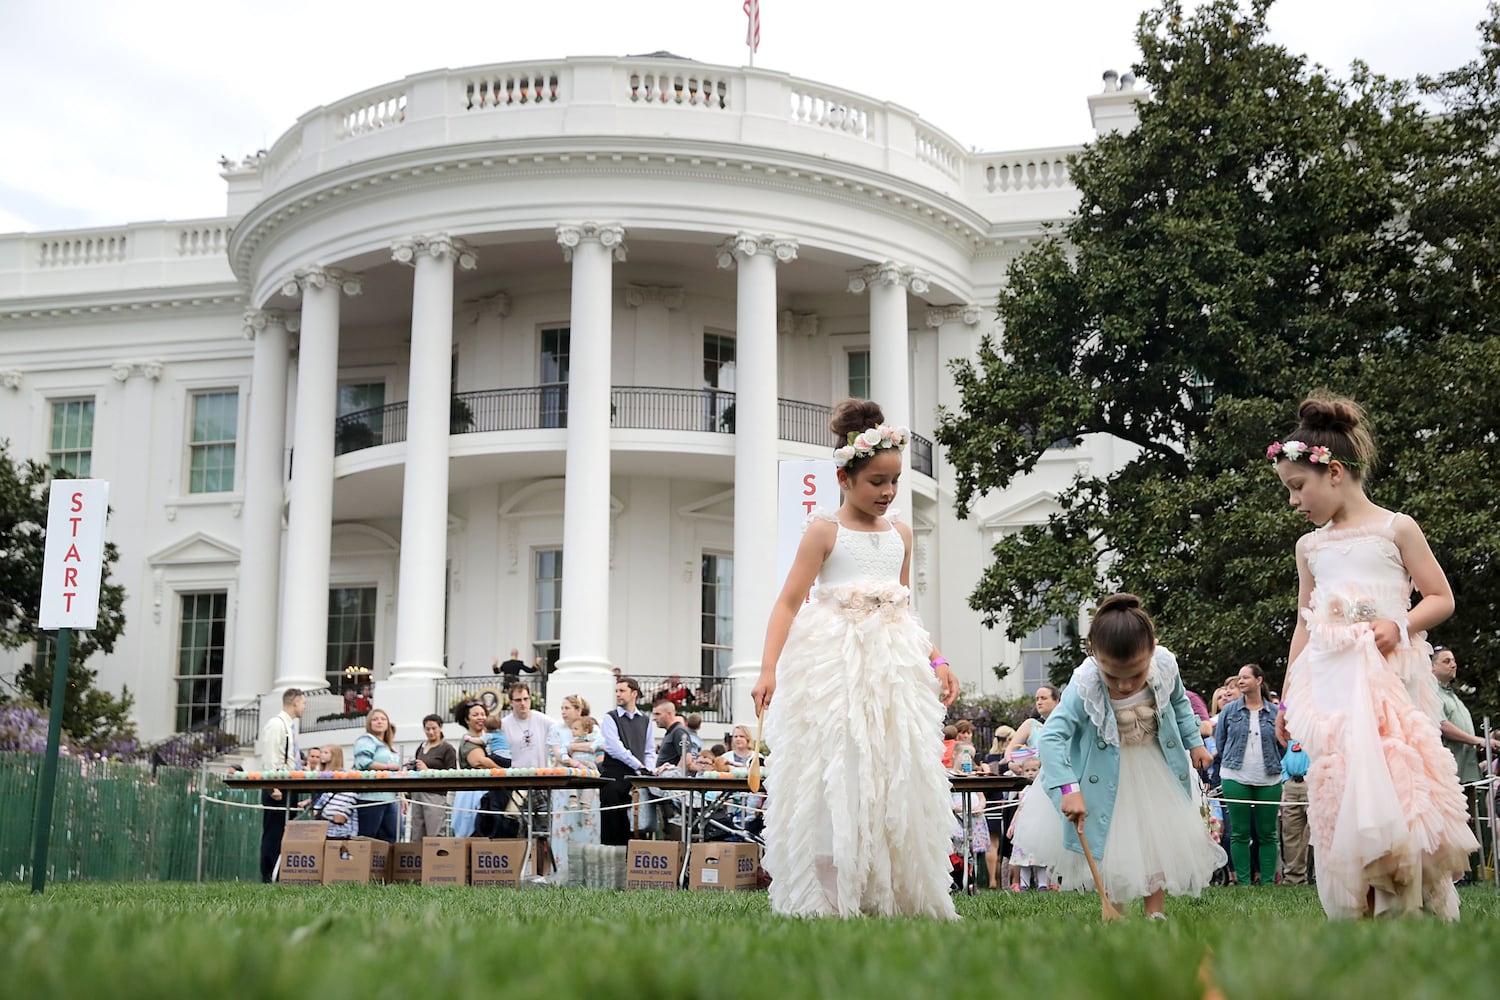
(1118, 759)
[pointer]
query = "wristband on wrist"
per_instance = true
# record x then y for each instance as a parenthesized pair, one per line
(1401, 625)
(938, 661)
(1069, 788)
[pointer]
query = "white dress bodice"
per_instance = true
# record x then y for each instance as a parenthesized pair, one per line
(1358, 574)
(873, 557)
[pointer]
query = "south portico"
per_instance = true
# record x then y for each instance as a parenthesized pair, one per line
(591, 250)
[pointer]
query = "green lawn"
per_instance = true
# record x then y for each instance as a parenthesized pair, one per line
(225, 939)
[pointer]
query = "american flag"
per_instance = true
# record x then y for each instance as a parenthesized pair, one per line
(752, 30)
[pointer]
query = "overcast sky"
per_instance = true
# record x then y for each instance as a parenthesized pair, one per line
(119, 111)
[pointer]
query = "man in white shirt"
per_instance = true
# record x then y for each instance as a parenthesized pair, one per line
(278, 752)
(527, 733)
(629, 748)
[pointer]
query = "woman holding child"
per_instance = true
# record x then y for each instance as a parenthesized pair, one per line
(574, 742)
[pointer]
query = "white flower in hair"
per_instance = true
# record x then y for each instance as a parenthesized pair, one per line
(863, 444)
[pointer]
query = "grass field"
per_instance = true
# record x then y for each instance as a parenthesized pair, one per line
(235, 940)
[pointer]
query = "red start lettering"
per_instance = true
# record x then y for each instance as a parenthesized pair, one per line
(70, 576)
(75, 522)
(77, 503)
(809, 484)
(73, 555)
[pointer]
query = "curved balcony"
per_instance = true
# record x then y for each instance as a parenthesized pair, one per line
(539, 407)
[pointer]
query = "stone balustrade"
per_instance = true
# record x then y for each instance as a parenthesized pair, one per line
(594, 96)
(599, 98)
(1036, 170)
(36, 265)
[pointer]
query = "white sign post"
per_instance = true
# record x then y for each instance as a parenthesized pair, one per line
(801, 486)
(72, 573)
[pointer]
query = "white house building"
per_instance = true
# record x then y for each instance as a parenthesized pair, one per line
(506, 357)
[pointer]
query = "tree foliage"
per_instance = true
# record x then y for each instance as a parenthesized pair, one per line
(1265, 230)
(93, 718)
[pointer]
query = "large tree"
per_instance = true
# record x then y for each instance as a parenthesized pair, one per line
(92, 718)
(1265, 230)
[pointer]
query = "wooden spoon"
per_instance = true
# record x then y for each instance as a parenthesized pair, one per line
(1110, 910)
(753, 778)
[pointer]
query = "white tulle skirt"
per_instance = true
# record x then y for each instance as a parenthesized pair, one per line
(1157, 838)
(858, 814)
(1038, 830)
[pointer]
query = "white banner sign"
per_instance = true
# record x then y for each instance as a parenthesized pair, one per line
(74, 566)
(801, 486)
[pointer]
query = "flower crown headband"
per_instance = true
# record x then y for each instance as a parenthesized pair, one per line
(1315, 454)
(863, 444)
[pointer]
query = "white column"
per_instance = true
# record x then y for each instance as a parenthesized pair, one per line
(304, 596)
(953, 547)
(421, 588)
(756, 447)
(584, 666)
(890, 377)
(957, 328)
(252, 670)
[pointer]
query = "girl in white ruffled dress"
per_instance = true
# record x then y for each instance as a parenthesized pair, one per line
(1386, 811)
(858, 816)
(1118, 759)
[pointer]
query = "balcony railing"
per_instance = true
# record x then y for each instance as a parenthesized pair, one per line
(708, 697)
(486, 688)
(921, 455)
(538, 407)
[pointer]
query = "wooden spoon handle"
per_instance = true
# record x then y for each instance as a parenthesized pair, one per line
(753, 778)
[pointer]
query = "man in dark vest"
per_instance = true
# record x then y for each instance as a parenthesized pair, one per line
(676, 751)
(629, 748)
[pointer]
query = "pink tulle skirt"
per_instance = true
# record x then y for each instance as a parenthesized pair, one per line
(1385, 807)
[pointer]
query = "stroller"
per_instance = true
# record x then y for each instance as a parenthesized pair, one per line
(721, 818)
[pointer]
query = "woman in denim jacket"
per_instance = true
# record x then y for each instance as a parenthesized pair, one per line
(1250, 774)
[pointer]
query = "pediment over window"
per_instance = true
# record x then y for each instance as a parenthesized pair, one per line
(362, 540)
(1032, 509)
(196, 549)
(719, 507)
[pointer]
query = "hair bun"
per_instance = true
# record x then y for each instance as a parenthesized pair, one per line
(1119, 602)
(853, 416)
(1330, 413)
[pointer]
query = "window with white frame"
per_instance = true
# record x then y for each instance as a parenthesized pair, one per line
(556, 347)
(70, 450)
(547, 607)
(859, 373)
(216, 417)
(361, 415)
(1039, 649)
(351, 635)
(718, 380)
(716, 636)
(200, 658)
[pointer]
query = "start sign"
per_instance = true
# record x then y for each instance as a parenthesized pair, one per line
(74, 566)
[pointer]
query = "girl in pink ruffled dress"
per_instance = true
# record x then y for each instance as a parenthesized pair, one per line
(858, 813)
(1386, 810)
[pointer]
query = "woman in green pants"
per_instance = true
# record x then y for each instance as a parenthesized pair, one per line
(1250, 775)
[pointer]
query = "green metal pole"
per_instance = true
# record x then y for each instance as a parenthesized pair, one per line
(45, 794)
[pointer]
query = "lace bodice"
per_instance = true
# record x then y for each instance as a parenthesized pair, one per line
(864, 556)
(1136, 718)
(1358, 574)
